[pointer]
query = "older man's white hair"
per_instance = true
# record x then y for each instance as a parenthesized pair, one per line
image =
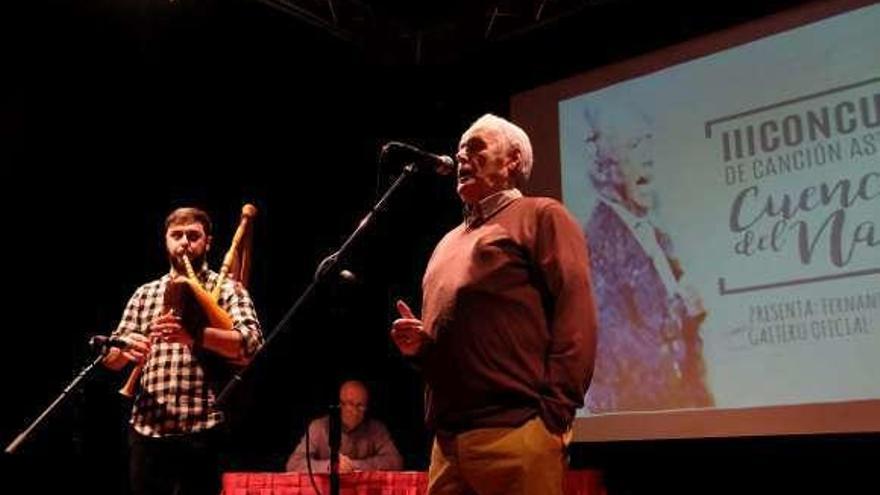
(516, 139)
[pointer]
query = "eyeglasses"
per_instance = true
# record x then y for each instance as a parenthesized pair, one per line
(354, 405)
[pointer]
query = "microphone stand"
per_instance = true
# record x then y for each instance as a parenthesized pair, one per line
(327, 268)
(83, 375)
(335, 440)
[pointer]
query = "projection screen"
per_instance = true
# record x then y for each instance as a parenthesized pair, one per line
(729, 188)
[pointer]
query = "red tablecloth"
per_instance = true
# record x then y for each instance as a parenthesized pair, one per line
(371, 483)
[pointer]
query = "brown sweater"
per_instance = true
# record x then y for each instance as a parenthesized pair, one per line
(508, 301)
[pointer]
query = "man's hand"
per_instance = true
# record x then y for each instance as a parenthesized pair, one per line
(166, 328)
(135, 351)
(137, 348)
(567, 436)
(407, 332)
(693, 302)
(345, 464)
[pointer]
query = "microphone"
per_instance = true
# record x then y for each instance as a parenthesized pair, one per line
(103, 341)
(443, 164)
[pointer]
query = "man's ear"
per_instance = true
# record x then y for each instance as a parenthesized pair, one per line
(208, 243)
(514, 165)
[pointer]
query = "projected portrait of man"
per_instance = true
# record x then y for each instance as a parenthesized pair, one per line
(649, 347)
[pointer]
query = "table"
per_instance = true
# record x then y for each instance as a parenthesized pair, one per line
(372, 483)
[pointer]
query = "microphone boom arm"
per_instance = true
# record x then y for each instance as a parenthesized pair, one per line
(327, 268)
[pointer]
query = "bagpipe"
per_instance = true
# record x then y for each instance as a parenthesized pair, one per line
(196, 307)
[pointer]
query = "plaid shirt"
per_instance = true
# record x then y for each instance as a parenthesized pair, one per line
(175, 395)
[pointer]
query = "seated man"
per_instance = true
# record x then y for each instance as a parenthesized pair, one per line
(365, 446)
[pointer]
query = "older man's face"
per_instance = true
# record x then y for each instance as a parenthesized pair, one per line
(637, 165)
(353, 401)
(485, 165)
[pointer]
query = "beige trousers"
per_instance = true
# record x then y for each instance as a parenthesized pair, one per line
(528, 460)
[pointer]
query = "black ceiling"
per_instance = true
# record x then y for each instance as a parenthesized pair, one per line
(396, 31)
(261, 73)
(559, 35)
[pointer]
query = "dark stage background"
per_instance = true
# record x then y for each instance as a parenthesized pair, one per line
(114, 112)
